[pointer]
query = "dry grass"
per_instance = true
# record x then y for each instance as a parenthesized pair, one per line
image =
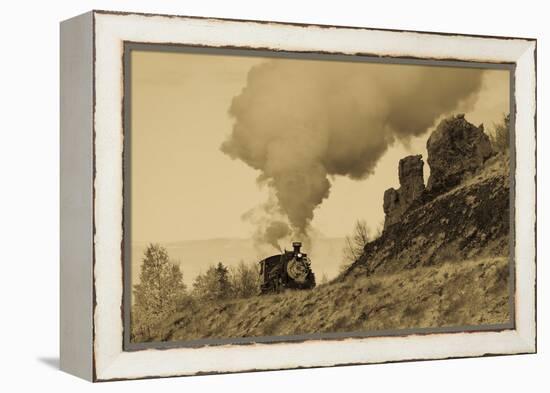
(453, 294)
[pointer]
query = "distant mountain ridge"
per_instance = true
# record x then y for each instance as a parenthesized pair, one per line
(195, 256)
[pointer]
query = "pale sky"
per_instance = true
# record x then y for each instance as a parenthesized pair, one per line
(184, 187)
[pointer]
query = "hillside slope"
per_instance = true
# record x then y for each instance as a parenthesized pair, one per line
(454, 294)
(441, 260)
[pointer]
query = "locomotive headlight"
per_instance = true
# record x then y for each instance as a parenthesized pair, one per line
(299, 255)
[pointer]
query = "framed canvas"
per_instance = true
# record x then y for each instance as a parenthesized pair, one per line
(246, 195)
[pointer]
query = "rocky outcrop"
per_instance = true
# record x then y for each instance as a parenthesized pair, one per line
(411, 181)
(455, 149)
(469, 221)
(463, 213)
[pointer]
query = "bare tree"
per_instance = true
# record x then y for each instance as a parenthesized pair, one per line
(355, 243)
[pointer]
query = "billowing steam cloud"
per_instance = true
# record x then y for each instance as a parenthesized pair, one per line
(300, 122)
(269, 222)
(275, 231)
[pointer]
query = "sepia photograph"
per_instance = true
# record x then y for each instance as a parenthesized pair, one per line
(279, 196)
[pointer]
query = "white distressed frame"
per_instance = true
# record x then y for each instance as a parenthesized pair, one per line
(111, 30)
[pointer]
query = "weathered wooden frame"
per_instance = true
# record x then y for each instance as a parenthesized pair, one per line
(92, 329)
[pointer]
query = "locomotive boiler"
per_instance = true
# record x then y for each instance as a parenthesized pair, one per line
(290, 269)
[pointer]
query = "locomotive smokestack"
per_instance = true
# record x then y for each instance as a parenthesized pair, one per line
(297, 246)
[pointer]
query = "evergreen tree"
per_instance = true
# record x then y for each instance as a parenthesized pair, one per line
(222, 277)
(214, 284)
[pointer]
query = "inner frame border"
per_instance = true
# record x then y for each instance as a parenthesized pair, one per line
(129, 46)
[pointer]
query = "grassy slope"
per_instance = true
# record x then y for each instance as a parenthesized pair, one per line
(452, 294)
(444, 265)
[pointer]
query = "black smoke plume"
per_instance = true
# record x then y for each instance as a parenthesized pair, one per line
(300, 122)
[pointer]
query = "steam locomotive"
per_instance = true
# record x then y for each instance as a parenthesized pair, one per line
(290, 269)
